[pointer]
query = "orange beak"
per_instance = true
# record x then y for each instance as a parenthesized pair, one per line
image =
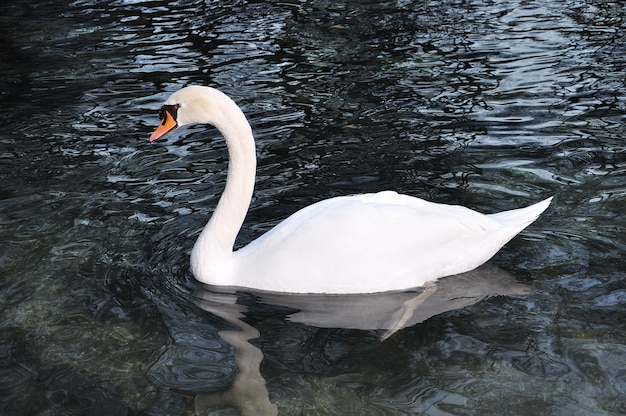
(168, 123)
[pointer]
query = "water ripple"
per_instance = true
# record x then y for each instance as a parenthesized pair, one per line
(488, 104)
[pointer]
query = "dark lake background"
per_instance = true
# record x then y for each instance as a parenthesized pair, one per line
(489, 104)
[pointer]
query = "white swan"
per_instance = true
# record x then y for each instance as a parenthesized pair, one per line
(352, 244)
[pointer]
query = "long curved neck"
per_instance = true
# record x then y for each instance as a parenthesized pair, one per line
(211, 256)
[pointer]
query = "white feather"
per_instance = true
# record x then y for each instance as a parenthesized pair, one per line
(353, 244)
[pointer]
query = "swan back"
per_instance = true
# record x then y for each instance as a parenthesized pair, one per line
(375, 243)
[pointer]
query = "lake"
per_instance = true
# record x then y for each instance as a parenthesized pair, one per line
(489, 104)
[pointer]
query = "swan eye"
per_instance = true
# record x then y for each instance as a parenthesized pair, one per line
(172, 109)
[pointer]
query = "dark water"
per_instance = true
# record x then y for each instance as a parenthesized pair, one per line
(489, 104)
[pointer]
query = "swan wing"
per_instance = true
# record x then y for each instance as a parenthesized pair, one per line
(369, 243)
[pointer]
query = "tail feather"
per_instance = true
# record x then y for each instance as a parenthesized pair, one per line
(522, 217)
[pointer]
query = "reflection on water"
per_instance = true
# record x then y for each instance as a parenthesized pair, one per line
(394, 311)
(247, 393)
(485, 104)
(386, 311)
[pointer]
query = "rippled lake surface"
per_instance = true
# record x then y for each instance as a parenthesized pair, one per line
(489, 104)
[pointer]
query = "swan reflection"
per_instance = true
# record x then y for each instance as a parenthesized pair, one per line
(388, 312)
(248, 393)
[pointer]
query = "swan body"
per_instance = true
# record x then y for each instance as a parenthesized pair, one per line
(351, 244)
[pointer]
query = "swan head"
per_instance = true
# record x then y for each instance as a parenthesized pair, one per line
(190, 105)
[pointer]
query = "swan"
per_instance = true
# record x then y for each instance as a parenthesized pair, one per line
(365, 243)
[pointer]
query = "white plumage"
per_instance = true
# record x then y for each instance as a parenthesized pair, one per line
(353, 244)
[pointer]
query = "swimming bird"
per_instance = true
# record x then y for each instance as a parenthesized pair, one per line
(363, 243)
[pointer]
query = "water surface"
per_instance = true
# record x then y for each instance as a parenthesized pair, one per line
(489, 104)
